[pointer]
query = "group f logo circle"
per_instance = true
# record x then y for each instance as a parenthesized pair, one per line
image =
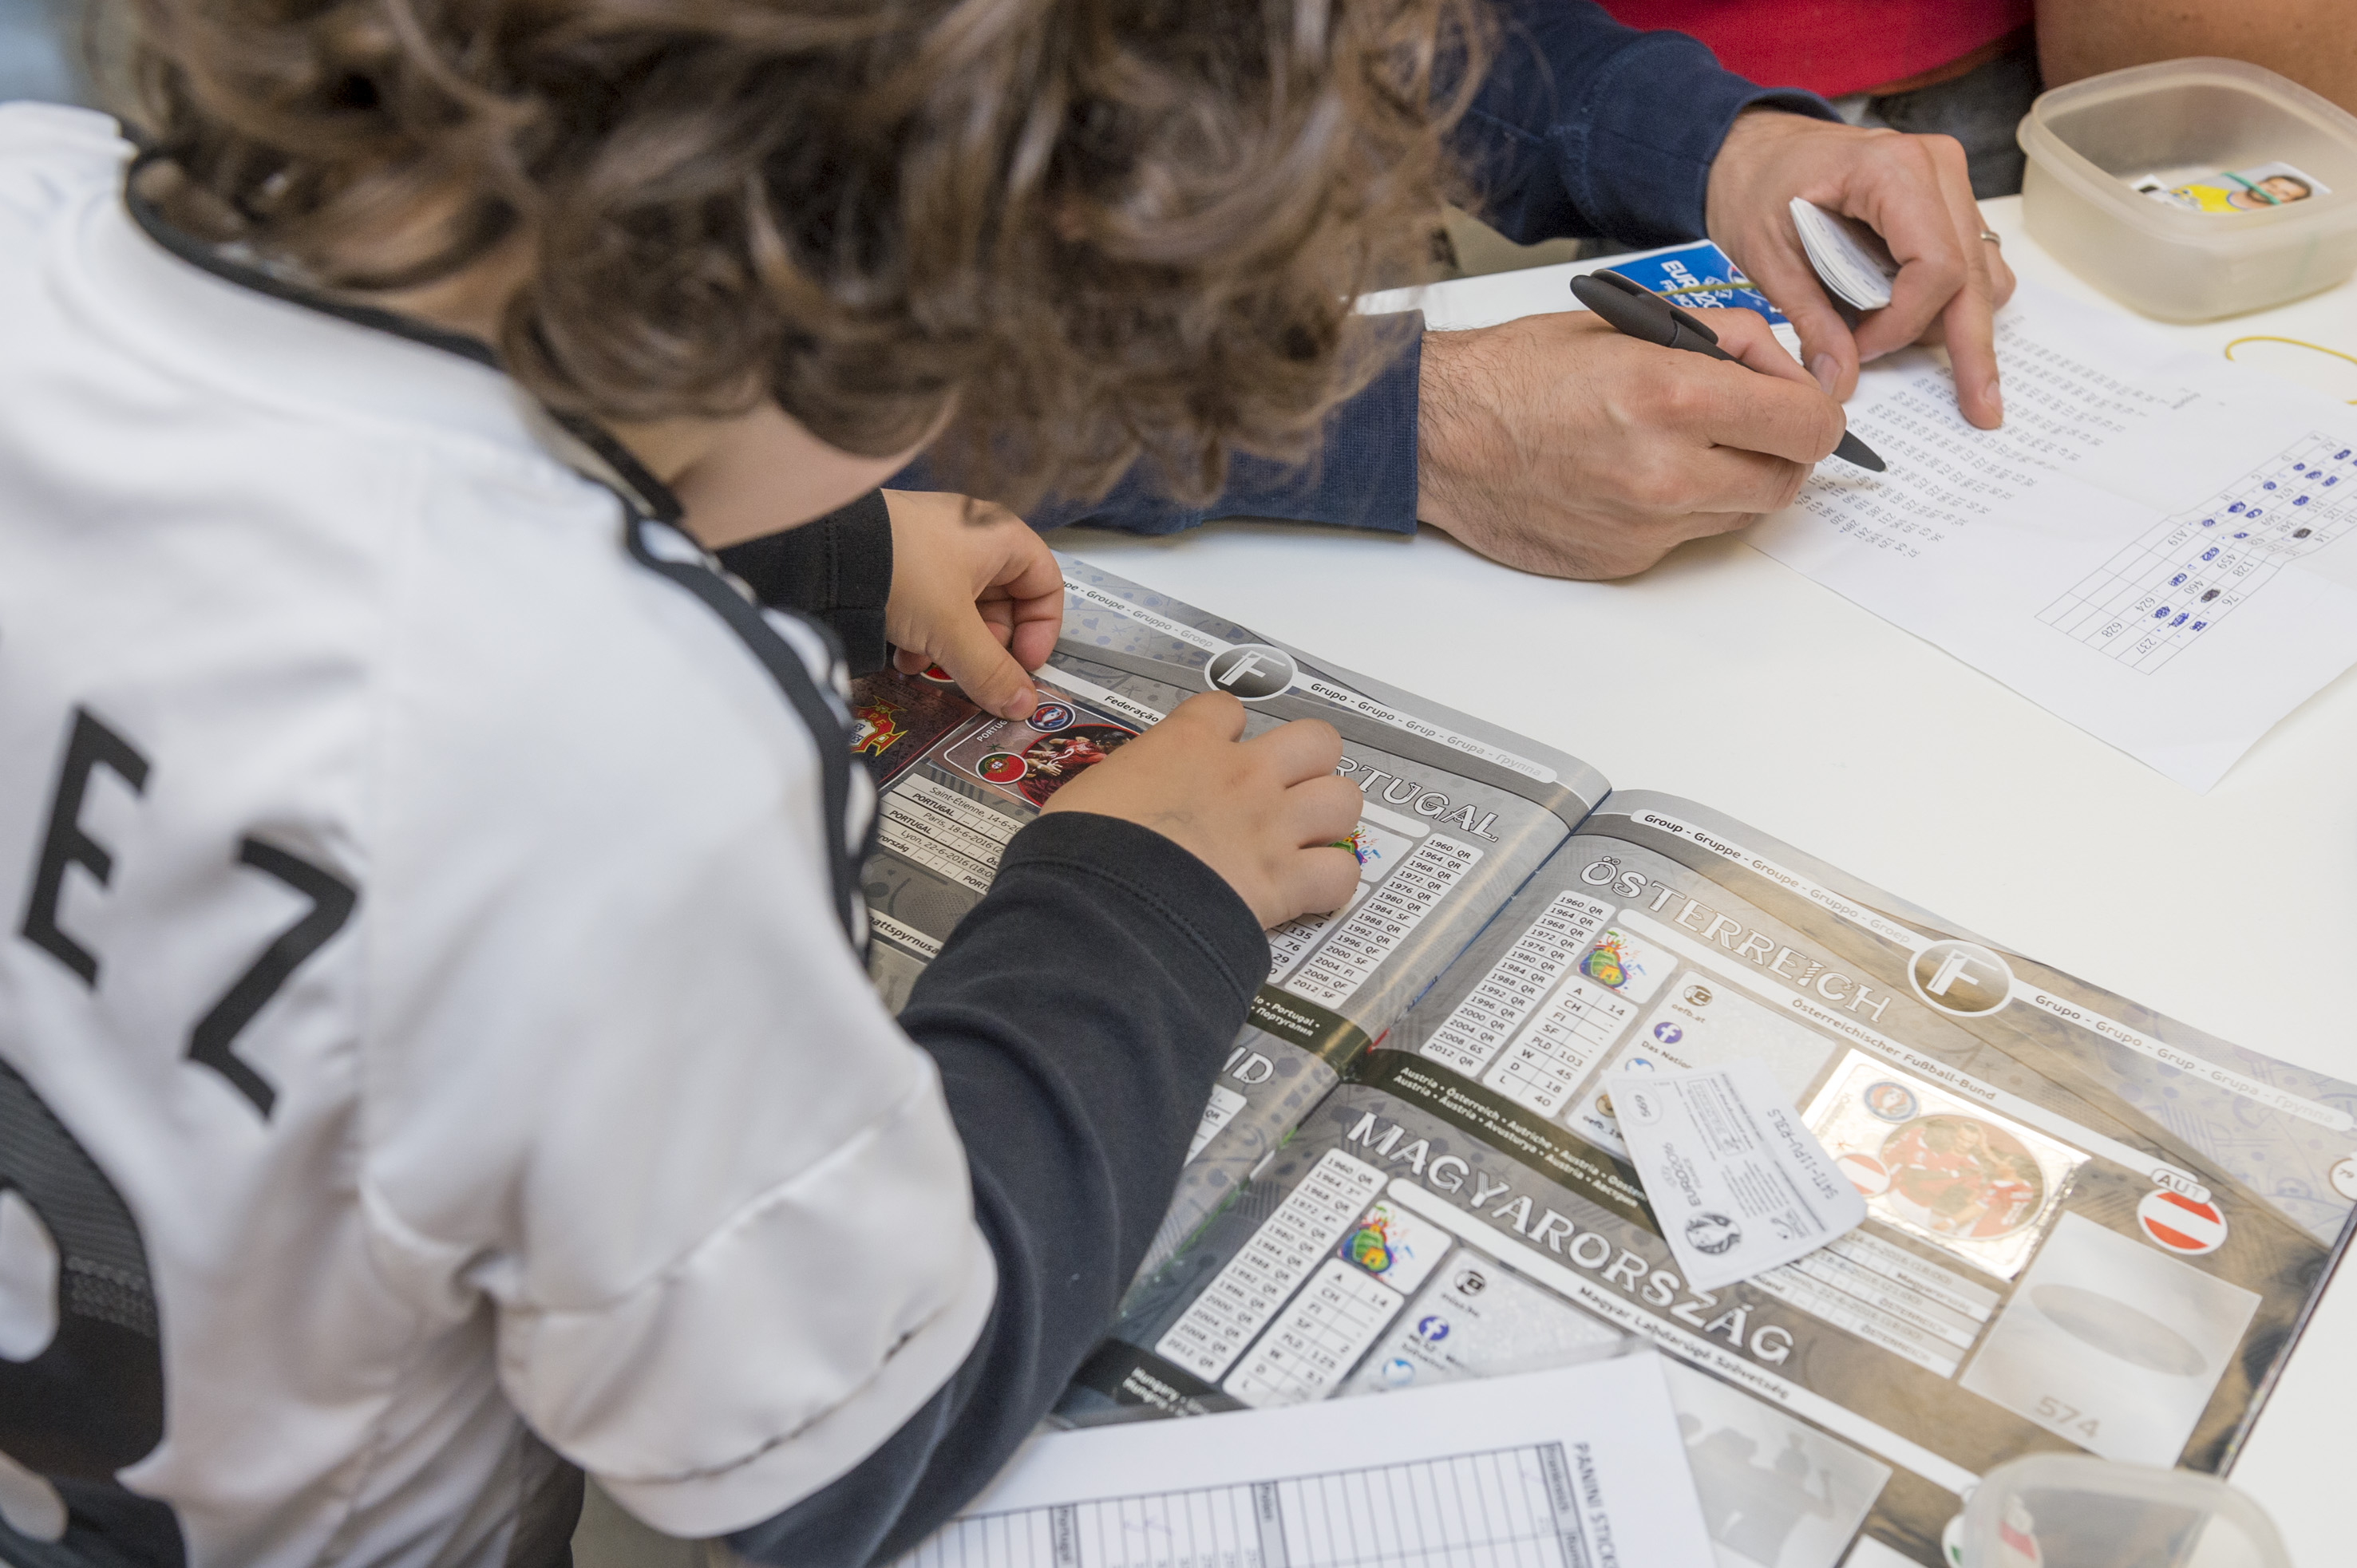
(1964, 979)
(1251, 670)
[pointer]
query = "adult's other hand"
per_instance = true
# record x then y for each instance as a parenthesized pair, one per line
(1912, 190)
(1558, 445)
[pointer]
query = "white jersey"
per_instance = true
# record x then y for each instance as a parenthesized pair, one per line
(426, 1023)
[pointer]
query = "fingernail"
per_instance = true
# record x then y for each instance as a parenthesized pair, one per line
(1023, 705)
(1996, 401)
(1827, 369)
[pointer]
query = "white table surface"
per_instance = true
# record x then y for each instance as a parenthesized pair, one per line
(1724, 676)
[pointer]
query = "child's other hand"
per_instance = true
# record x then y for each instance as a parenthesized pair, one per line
(1265, 813)
(974, 591)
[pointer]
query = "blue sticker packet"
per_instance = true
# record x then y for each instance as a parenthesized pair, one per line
(1688, 266)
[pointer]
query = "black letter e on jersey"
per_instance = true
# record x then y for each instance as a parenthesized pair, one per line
(90, 744)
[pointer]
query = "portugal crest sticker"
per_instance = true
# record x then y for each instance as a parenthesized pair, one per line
(877, 727)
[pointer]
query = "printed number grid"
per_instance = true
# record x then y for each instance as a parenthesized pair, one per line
(1288, 941)
(1321, 1335)
(2161, 592)
(1376, 928)
(1546, 1062)
(1482, 1024)
(1289, 1244)
(1473, 1510)
(942, 831)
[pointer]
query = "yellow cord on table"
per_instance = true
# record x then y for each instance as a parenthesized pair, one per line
(2295, 342)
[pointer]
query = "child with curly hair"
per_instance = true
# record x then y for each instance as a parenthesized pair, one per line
(436, 1058)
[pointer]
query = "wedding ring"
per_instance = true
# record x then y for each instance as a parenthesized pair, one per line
(1993, 239)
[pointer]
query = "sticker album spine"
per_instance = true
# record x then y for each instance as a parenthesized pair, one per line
(1457, 814)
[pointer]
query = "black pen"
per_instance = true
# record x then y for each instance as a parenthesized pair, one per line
(1634, 309)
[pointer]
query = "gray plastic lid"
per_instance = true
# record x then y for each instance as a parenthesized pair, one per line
(2072, 1510)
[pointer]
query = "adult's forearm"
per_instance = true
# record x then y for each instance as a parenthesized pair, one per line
(1581, 126)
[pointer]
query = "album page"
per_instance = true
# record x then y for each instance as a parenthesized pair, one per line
(2088, 1226)
(1457, 814)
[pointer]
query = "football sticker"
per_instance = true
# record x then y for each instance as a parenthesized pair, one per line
(1959, 1176)
(1054, 761)
(1016, 756)
(2180, 1224)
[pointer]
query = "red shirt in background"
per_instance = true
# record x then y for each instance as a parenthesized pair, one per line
(1833, 46)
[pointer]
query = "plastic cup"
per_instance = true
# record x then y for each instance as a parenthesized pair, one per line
(2070, 1511)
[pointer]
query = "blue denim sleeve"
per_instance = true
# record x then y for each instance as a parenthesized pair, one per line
(1581, 127)
(1586, 127)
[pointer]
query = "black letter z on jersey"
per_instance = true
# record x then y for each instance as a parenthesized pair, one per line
(89, 744)
(215, 1035)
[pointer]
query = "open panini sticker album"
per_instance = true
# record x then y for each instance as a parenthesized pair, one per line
(2089, 1227)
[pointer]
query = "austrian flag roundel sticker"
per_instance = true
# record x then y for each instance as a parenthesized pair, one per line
(2181, 1225)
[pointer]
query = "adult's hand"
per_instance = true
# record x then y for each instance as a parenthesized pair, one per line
(1913, 191)
(1558, 445)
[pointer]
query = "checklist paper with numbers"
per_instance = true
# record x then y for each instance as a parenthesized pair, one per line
(1568, 1469)
(2150, 546)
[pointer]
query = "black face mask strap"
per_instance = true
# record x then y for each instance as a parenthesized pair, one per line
(648, 496)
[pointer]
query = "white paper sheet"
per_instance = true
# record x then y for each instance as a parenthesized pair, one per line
(1738, 1182)
(1571, 1468)
(2150, 548)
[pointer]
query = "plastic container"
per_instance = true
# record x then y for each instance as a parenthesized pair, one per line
(2070, 1511)
(2092, 143)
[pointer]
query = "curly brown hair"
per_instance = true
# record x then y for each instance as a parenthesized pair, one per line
(1100, 228)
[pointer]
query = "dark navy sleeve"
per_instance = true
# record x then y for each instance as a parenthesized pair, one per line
(1582, 127)
(1077, 1013)
(1586, 127)
(837, 568)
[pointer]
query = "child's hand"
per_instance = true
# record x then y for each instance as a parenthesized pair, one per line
(1265, 813)
(974, 591)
